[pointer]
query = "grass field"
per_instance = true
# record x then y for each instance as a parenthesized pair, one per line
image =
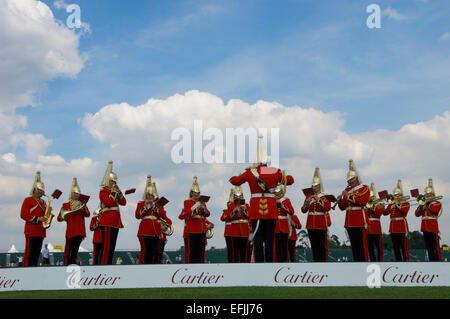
(240, 293)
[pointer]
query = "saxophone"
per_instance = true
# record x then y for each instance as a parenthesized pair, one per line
(48, 215)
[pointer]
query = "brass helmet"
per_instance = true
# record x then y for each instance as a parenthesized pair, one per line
(398, 190)
(430, 188)
(231, 197)
(37, 184)
(238, 193)
(194, 188)
(317, 179)
(74, 188)
(352, 172)
(147, 189)
(109, 175)
(153, 190)
(373, 193)
(261, 152)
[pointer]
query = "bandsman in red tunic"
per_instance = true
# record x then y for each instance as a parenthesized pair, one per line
(110, 222)
(239, 231)
(353, 200)
(263, 213)
(430, 209)
(194, 214)
(317, 207)
(73, 213)
(32, 212)
(294, 225)
(149, 228)
(282, 228)
(96, 239)
(225, 218)
(398, 209)
(375, 209)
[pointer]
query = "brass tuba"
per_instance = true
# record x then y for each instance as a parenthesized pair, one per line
(48, 214)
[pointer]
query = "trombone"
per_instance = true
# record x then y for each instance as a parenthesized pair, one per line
(421, 200)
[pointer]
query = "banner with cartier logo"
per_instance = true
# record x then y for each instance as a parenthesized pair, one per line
(226, 275)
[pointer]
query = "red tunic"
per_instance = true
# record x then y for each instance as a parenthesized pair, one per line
(111, 212)
(429, 217)
(194, 217)
(149, 217)
(75, 220)
(295, 225)
(373, 221)
(239, 221)
(97, 238)
(318, 217)
(354, 203)
(284, 210)
(226, 218)
(262, 207)
(398, 217)
(32, 208)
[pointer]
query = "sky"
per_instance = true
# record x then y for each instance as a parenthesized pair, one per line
(117, 87)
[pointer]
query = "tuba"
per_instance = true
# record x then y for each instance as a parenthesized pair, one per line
(48, 214)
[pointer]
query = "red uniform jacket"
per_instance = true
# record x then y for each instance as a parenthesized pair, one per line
(398, 217)
(429, 216)
(194, 217)
(149, 217)
(318, 216)
(111, 213)
(285, 208)
(97, 238)
(239, 221)
(354, 203)
(262, 207)
(295, 225)
(32, 208)
(225, 218)
(75, 220)
(373, 222)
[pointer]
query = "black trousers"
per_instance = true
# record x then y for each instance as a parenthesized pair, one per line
(375, 247)
(149, 250)
(229, 246)
(432, 245)
(239, 247)
(400, 246)
(33, 246)
(71, 250)
(319, 244)
(98, 250)
(162, 244)
(281, 247)
(358, 241)
(194, 248)
(249, 251)
(291, 251)
(263, 240)
(109, 235)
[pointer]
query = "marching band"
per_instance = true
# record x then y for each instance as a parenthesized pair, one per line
(263, 230)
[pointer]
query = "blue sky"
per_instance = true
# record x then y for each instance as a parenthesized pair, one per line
(309, 53)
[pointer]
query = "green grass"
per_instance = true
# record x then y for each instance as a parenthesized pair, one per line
(240, 293)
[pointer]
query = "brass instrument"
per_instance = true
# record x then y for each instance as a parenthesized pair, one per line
(98, 212)
(372, 203)
(421, 200)
(65, 213)
(48, 214)
(166, 228)
(210, 232)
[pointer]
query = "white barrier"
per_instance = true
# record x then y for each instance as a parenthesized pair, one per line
(226, 275)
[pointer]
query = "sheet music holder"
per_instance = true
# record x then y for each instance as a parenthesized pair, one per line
(130, 191)
(239, 201)
(414, 192)
(83, 198)
(162, 201)
(383, 194)
(308, 191)
(56, 194)
(204, 198)
(330, 198)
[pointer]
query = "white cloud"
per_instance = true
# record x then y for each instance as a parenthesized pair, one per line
(445, 36)
(393, 14)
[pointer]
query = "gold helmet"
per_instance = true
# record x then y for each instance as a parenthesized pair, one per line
(195, 188)
(153, 190)
(74, 188)
(430, 188)
(231, 197)
(373, 192)
(37, 184)
(317, 179)
(352, 172)
(238, 193)
(109, 175)
(398, 190)
(147, 189)
(261, 152)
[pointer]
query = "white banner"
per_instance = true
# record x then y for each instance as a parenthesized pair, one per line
(226, 275)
